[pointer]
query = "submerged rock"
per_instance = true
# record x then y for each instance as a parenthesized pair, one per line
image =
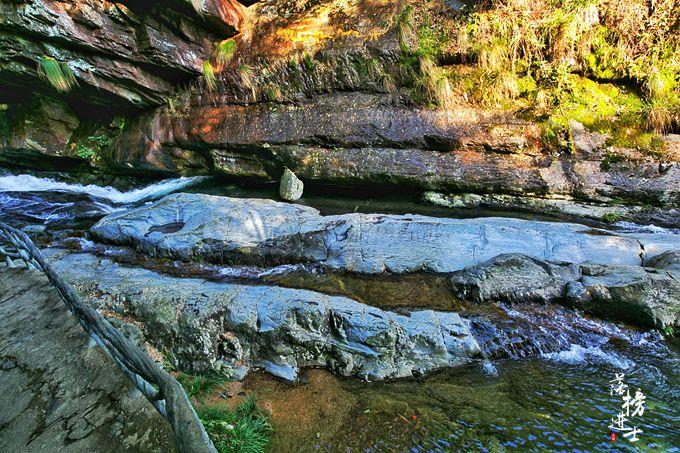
(643, 296)
(205, 325)
(232, 230)
(291, 187)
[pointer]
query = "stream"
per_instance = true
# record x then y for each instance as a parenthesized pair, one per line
(546, 386)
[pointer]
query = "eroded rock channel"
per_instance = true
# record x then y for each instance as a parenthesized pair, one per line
(272, 292)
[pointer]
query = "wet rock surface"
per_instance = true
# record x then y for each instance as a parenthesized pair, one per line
(57, 391)
(231, 327)
(644, 296)
(255, 231)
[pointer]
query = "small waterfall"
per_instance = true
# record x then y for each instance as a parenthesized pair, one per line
(27, 199)
(554, 333)
(29, 183)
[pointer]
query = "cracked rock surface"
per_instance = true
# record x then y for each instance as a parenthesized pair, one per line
(57, 393)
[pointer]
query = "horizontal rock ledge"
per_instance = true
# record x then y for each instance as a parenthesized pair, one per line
(265, 232)
(203, 325)
(356, 137)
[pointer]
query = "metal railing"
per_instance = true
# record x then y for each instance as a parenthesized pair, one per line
(161, 389)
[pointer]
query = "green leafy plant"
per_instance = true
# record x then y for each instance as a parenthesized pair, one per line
(612, 217)
(308, 62)
(58, 74)
(91, 147)
(245, 429)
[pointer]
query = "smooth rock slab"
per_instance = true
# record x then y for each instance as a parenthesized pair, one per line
(256, 231)
(233, 327)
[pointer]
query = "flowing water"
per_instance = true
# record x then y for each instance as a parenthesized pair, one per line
(546, 386)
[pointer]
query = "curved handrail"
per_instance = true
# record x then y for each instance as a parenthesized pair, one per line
(168, 396)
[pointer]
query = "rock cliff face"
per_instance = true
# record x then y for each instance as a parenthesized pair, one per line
(121, 54)
(324, 88)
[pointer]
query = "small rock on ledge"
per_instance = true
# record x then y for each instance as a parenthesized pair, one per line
(291, 187)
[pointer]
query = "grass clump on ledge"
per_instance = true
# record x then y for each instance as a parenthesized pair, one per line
(209, 76)
(224, 52)
(58, 74)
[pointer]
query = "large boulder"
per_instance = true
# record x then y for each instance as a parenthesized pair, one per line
(257, 231)
(643, 296)
(232, 327)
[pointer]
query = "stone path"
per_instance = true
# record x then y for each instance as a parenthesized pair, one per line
(58, 392)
